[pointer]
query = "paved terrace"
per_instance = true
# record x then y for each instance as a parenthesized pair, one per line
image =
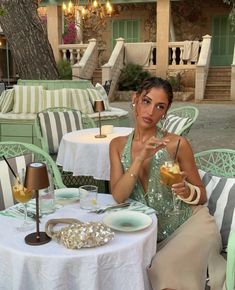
(214, 128)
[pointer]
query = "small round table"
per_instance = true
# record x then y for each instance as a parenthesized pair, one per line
(119, 264)
(84, 155)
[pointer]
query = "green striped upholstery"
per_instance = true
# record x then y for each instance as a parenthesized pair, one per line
(81, 101)
(56, 98)
(95, 95)
(27, 99)
(2, 98)
(175, 124)
(7, 179)
(55, 124)
(104, 95)
(221, 202)
(8, 100)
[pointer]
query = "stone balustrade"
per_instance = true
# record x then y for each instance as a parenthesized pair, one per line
(72, 52)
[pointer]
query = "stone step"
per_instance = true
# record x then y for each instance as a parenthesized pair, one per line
(217, 96)
(97, 76)
(216, 101)
(218, 78)
(218, 85)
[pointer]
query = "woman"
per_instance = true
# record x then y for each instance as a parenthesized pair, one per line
(188, 238)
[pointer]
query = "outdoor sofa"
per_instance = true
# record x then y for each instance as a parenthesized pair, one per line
(19, 106)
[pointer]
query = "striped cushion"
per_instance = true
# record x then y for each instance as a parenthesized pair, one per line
(56, 98)
(221, 202)
(104, 95)
(80, 101)
(7, 178)
(173, 124)
(27, 99)
(55, 124)
(95, 95)
(8, 100)
(2, 98)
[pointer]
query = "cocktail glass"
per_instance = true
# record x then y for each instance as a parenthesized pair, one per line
(23, 195)
(170, 174)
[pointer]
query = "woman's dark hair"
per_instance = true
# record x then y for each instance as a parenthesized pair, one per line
(156, 82)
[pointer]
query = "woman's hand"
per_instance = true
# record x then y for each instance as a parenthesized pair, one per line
(181, 188)
(151, 146)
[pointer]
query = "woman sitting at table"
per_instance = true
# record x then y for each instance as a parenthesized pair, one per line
(188, 238)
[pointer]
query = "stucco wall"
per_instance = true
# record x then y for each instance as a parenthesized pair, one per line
(193, 19)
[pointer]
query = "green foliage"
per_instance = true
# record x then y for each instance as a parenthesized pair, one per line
(2, 11)
(132, 75)
(175, 82)
(64, 69)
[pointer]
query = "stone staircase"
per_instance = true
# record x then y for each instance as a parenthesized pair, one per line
(97, 76)
(218, 84)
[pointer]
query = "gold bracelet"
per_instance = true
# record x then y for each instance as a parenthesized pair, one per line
(133, 175)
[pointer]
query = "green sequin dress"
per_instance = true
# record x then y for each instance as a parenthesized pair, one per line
(158, 196)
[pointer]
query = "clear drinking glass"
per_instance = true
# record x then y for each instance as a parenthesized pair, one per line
(170, 174)
(88, 196)
(23, 195)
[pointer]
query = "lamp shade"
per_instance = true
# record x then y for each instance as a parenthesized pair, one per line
(36, 176)
(99, 106)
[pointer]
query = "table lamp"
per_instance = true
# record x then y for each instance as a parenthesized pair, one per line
(99, 107)
(36, 178)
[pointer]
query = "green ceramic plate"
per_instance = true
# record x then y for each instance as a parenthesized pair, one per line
(66, 195)
(127, 221)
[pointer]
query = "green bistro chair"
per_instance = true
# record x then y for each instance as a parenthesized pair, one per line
(50, 126)
(180, 120)
(19, 155)
(71, 119)
(217, 170)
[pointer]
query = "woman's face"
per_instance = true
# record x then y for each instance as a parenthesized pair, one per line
(151, 107)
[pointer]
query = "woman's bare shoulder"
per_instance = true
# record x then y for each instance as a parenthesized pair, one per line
(119, 142)
(173, 141)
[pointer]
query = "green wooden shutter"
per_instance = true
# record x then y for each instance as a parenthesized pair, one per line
(127, 29)
(222, 41)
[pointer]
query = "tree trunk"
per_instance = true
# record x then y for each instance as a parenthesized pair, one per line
(27, 40)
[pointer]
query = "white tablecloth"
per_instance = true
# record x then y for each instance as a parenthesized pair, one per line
(83, 154)
(119, 265)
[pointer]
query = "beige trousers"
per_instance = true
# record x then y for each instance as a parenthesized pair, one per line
(182, 260)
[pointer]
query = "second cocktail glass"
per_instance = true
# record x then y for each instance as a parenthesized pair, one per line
(170, 174)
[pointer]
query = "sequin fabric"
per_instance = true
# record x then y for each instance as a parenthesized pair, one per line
(158, 196)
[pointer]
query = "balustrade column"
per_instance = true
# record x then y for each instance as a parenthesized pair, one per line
(54, 28)
(163, 28)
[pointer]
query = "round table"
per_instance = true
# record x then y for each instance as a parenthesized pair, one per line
(120, 264)
(84, 155)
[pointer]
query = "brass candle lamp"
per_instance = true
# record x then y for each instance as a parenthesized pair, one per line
(99, 107)
(36, 178)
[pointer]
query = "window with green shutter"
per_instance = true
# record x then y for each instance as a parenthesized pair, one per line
(127, 29)
(222, 41)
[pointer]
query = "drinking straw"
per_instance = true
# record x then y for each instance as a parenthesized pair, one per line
(10, 167)
(176, 151)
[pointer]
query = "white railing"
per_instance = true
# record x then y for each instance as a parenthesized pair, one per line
(89, 62)
(202, 68)
(176, 56)
(72, 52)
(112, 69)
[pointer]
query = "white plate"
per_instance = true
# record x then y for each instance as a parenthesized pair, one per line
(127, 221)
(66, 195)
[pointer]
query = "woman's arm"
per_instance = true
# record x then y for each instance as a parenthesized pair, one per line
(121, 184)
(188, 166)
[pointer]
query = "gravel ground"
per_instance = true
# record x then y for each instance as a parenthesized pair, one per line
(214, 127)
